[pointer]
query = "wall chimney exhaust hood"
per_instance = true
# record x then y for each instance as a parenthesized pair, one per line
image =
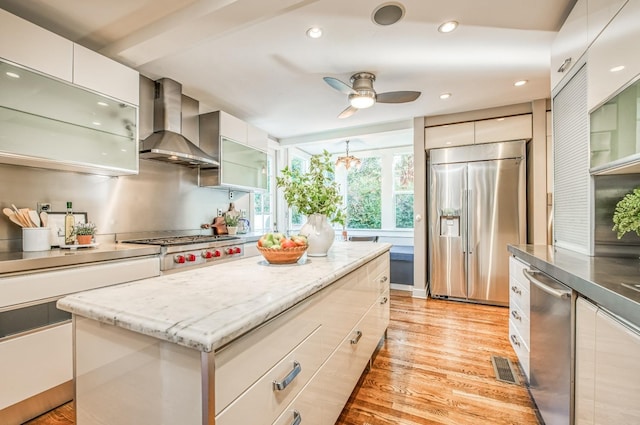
(167, 143)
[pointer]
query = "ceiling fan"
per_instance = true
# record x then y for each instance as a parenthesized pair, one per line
(362, 95)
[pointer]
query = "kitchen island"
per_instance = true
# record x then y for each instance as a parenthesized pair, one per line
(241, 342)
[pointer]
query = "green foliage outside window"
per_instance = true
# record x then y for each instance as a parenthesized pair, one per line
(404, 211)
(364, 195)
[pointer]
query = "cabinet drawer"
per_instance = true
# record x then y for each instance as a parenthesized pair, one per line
(519, 295)
(305, 408)
(377, 270)
(515, 271)
(239, 365)
(520, 321)
(520, 348)
(262, 403)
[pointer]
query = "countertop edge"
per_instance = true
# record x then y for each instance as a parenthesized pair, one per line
(233, 328)
(615, 302)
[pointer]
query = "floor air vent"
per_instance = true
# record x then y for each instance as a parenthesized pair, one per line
(504, 370)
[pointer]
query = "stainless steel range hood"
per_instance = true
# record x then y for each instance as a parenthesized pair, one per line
(167, 143)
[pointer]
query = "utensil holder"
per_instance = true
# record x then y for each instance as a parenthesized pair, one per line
(35, 239)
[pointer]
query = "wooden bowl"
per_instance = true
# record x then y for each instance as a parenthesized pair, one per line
(282, 256)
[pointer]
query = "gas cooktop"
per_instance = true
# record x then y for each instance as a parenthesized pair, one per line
(183, 240)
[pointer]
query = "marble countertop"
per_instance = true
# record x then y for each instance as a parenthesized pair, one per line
(12, 262)
(607, 281)
(206, 308)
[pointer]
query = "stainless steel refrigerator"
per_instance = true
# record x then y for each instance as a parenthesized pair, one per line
(477, 205)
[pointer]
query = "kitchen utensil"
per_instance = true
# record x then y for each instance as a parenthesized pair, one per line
(14, 218)
(7, 211)
(18, 215)
(33, 216)
(24, 214)
(44, 217)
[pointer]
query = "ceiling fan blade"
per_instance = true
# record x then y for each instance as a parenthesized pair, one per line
(397, 96)
(339, 85)
(348, 112)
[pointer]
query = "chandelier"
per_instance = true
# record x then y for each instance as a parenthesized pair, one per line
(349, 160)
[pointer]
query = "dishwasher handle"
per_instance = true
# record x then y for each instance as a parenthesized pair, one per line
(558, 293)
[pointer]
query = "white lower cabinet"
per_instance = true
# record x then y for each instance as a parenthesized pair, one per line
(519, 311)
(607, 373)
(302, 366)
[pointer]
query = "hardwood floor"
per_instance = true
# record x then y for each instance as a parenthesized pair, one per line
(434, 368)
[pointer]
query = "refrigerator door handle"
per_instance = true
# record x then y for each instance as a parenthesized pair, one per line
(469, 232)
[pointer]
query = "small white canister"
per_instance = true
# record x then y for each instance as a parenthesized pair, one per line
(35, 239)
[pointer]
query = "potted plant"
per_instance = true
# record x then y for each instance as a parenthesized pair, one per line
(316, 195)
(231, 220)
(626, 217)
(84, 232)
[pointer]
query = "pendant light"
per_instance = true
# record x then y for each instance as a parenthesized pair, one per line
(348, 160)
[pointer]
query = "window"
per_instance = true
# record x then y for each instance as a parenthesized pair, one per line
(262, 203)
(296, 218)
(403, 190)
(364, 195)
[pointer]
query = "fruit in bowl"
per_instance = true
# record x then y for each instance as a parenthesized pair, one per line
(276, 248)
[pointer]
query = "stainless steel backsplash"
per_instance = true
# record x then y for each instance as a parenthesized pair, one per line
(608, 191)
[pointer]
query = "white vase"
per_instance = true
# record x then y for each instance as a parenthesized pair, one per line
(319, 234)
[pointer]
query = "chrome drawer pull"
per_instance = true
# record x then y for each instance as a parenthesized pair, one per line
(383, 279)
(514, 339)
(384, 300)
(281, 385)
(357, 338)
(517, 290)
(297, 418)
(516, 315)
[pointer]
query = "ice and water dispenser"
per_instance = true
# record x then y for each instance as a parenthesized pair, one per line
(450, 223)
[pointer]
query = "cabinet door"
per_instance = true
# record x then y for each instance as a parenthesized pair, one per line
(257, 138)
(617, 379)
(616, 47)
(233, 128)
(29, 45)
(503, 129)
(600, 14)
(570, 43)
(585, 361)
(444, 136)
(106, 76)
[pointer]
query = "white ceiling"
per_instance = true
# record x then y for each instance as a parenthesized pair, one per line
(252, 58)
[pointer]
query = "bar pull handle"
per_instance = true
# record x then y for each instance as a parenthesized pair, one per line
(281, 385)
(357, 338)
(297, 418)
(516, 290)
(549, 290)
(384, 300)
(565, 65)
(516, 315)
(514, 339)
(383, 279)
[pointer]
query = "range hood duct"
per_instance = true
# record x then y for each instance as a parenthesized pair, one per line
(167, 143)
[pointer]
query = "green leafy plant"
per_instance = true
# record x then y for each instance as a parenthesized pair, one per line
(88, 228)
(313, 192)
(231, 220)
(627, 214)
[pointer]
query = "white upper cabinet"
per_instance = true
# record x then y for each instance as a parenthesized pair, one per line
(444, 136)
(570, 43)
(257, 138)
(504, 129)
(26, 44)
(233, 128)
(614, 57)
(99, 73)
(600, 14)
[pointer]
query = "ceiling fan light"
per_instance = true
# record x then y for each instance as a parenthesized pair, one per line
(362, 100)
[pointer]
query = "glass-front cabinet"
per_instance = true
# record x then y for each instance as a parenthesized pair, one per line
(615, 134)
(241, 166)
(49, 123)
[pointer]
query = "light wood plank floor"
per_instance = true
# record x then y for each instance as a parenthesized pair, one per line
(434, 368)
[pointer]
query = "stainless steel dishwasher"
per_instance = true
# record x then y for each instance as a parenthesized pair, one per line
(552, 347)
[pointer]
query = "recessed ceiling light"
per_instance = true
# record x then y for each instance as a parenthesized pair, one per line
(617, 68)
(520, 83)
(388, 13)
(96, 123)
(448, 26)
(314, 32)
(12, 74)
(103, 104)
(444, 96)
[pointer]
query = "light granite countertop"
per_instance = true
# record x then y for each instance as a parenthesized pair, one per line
(206, 308)
(607, 281)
